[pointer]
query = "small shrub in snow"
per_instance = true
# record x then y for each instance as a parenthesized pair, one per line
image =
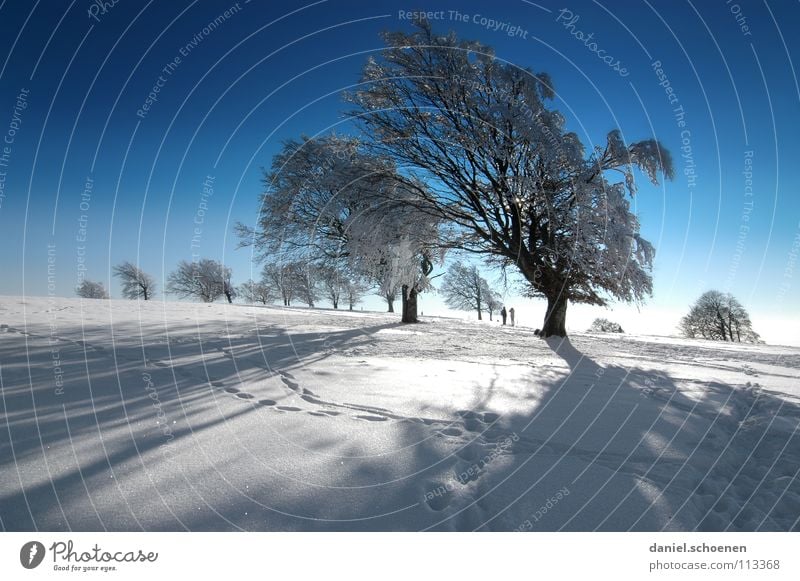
(601, 325)
(89, 289)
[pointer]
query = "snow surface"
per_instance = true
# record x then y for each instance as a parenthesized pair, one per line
(176, 416)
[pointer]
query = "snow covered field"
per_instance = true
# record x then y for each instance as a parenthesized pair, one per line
(122, 415)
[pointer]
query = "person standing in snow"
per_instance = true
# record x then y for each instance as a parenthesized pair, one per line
(503, 314)
(511, 314)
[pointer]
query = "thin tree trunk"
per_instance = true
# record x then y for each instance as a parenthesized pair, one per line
(390, 301)
(556, 317)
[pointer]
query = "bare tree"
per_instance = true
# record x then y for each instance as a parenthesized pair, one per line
(492, 300)
(334, 281)
(511, 183)
(305, 283)
(387, 286)
(136, 284)
(89, 289)
(281, 277)
(465, 289)
(354, 291)
(720, 317)
(204, 279)
(256, 292)
(228, 288)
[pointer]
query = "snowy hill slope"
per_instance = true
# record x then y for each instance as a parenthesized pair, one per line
(121, 415)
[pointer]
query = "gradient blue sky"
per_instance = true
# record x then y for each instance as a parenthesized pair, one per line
(275, 70)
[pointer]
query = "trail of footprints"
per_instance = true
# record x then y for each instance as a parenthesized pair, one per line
(475, 431)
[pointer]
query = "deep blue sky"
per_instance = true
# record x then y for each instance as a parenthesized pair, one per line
(275, 70)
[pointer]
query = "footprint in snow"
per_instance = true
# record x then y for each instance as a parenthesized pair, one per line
(490, 417)
(289, 383)
(267, 402)
(451, 432)
(231, 390)
(438, 497)
(310, 399)
(473, 425)
(371, 418)
(287, 408)
(468, 453)
(243, 395)
(467, 414)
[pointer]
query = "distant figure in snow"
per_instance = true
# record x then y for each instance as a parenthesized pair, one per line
(503, 314)
(511, 314)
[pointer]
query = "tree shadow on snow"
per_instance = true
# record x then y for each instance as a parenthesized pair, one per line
(182, 434)
(614, 448)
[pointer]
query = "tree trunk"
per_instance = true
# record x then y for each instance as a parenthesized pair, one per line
(145, 293)
(409, 297)
(479, 315)
(390, 301)
(490, 315)
(556, 317)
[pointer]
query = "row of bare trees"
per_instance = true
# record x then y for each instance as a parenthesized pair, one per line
(209, 280)
(305, 283)
(136, 284)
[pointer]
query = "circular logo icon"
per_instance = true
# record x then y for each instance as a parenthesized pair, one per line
(31, 554)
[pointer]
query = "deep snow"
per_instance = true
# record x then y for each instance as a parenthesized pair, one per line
(178, 416)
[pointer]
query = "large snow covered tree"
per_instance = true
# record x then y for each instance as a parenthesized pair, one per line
(720, 317)
(502, 171)
(465, 289)
(327, 201)
(399, 245)
(136, 284)
(204, 279)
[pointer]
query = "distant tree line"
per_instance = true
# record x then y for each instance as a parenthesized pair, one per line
(208, 280)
